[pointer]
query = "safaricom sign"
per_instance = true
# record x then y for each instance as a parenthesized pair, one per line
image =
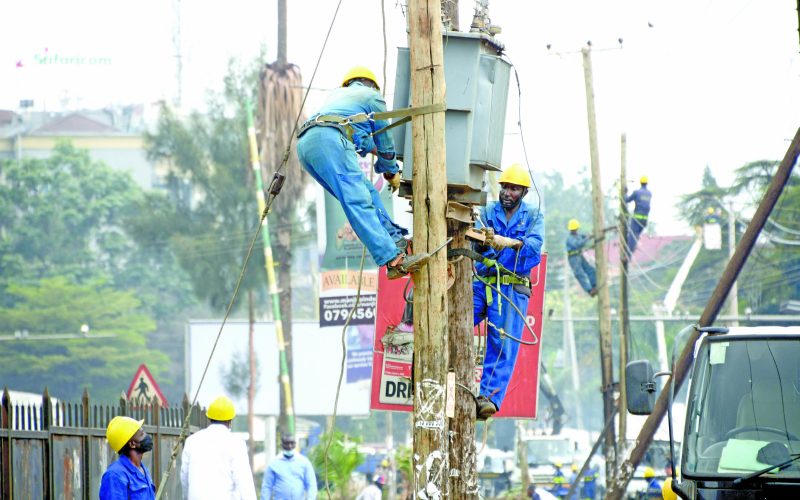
(52, 58)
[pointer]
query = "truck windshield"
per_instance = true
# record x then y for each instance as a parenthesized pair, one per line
(745, 394)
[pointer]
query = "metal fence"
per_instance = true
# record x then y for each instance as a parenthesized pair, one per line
(58, 450)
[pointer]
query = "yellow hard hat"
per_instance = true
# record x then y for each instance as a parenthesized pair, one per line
(649, 472)
(359, 72)
(221, 410)
(710, 210)
(557, 464)
(574, 467)
(573, 224)
(515, 174)
(666, 490)
(120, 430)
(643, 179)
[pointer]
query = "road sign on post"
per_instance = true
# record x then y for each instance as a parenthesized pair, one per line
(144, 388)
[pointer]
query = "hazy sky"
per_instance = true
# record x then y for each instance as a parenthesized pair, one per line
(710, 83)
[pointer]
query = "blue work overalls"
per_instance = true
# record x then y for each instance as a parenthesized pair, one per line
(526, 225)
(330, 157)
(638, 221)
(583, 271)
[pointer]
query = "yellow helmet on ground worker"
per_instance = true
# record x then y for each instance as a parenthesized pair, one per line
(120, 430)
(666, 490)
(649, 473)
(643, 179)
(516, 174)
(573, 225)
(221, 410)
(359, 72)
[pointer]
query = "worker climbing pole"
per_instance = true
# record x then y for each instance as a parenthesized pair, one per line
(430, 426)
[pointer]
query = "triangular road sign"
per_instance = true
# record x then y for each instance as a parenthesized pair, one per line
(144, 387)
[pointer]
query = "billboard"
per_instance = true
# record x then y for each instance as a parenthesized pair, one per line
(393, 351)
(317, 357)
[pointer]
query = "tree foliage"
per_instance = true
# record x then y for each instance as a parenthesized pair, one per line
(342, 460)
(56, 306)
(210, 215)
(66, 259)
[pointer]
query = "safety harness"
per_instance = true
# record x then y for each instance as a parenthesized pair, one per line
(345, 123)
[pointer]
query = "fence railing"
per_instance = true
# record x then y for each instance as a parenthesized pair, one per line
(56, 449)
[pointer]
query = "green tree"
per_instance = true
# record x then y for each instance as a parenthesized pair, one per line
(694, 206)
(56, 306)
(771, 275)
(343, 458)
(66, 216)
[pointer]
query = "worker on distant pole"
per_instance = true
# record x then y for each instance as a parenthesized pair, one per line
(583, 271)
(514, 233)
(214, 462)
(328, 146)
(638, 221)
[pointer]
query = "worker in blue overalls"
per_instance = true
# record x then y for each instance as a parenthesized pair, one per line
(638, 221)
(327, 147)
(514, 236)
(583, 271)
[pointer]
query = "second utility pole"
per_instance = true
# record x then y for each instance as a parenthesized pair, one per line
(430, 425)
(601, 261)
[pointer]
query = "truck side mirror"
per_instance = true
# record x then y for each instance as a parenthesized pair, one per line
(640, 387)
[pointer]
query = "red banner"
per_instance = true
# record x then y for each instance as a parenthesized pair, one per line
(391, 362)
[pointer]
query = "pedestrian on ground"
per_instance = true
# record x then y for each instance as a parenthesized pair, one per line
(653, 484)
(374, 490)
(127, 478)
(214, 462)
(583, 271)
(514, 232)
(641, 210)
(289, 476)
(328, 150)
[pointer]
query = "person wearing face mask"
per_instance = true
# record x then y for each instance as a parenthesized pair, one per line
(289, 476)
(214, 462)
(127, 478)
(514, 233)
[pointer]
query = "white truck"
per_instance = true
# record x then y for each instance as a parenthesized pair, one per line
(742, 426)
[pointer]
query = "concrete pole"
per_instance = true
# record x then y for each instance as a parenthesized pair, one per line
(569, 341)
(733, 297)
(601, 261)
(624, 312)
(430, 457)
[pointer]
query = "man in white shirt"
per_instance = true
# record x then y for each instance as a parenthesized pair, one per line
(214, 463)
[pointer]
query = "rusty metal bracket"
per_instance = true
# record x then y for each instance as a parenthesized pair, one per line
(459, 212)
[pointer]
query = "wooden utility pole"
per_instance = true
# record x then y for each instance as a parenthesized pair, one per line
(624, 312)
(430, 457)
(714, 305)
(601, 261)
(463, 474)
(733, 296)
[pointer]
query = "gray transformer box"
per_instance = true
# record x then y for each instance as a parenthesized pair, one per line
(476, 86)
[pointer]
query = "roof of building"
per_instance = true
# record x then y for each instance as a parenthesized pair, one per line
(74, 123)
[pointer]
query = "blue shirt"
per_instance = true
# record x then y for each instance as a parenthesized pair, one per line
(123, 480)
(357, 98)
(526, 225)
(641, 197)
(289, 479)
(576, 241)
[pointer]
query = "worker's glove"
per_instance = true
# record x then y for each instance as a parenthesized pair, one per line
(488, 234)
(501, 242)
(393, 179)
